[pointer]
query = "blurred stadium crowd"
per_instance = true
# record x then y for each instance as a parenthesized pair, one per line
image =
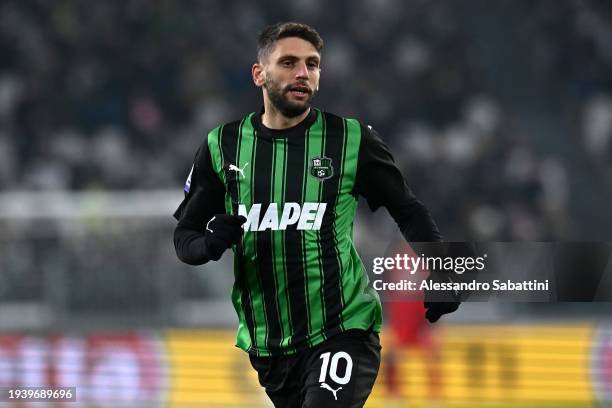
(500, 114)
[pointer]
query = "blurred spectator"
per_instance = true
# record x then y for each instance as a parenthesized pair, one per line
(118, 95)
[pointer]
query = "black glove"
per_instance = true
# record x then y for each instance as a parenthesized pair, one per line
(435, 310)
(438, 303)
(222, 231)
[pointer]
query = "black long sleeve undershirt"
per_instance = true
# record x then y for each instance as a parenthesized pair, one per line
(204, 195)
(190, 246)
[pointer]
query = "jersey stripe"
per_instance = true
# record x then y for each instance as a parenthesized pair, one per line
(240, 272)
(312, 186)
(276, 178)
(278, 255)
(302, 238)
(261, 326)
(293, 244)
(331, 287)
(230, 141)
(362, 302)
(351, 281)
(262, 186)
(341, 190)
(321, 284)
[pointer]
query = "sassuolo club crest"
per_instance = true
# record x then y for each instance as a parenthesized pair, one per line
(321, 167)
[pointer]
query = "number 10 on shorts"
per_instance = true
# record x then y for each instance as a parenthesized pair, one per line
(333, 367)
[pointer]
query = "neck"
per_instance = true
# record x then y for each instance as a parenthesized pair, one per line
(273, 119)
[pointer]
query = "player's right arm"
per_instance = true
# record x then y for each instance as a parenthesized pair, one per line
(381, 182)
(204, 231)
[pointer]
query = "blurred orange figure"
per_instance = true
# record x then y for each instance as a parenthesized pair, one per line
(408, 329)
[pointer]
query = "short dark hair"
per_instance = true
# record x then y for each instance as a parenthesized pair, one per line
(272, 33)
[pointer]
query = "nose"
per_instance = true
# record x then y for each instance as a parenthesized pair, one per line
(301, 70)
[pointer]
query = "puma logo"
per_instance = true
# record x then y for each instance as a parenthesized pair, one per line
(327, 387)
(238, 169)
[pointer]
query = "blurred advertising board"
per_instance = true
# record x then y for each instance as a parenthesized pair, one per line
(122, 369)
(485, 365)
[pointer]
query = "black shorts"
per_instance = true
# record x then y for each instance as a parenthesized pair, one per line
(338, 373)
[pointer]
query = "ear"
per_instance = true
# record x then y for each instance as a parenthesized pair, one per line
(258, 74)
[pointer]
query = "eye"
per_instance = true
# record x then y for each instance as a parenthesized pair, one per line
(287, 63)
(313, 65)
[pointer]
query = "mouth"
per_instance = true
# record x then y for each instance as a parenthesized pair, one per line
(300, 91)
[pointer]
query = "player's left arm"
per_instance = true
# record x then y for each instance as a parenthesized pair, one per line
(381, 183)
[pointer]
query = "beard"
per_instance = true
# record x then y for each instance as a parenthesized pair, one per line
(280, 100)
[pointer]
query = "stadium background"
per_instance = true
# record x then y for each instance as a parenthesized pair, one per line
(500, 114)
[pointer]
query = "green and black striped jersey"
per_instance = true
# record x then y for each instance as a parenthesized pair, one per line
(298, 277)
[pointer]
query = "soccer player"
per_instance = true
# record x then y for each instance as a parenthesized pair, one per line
(280, 187)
